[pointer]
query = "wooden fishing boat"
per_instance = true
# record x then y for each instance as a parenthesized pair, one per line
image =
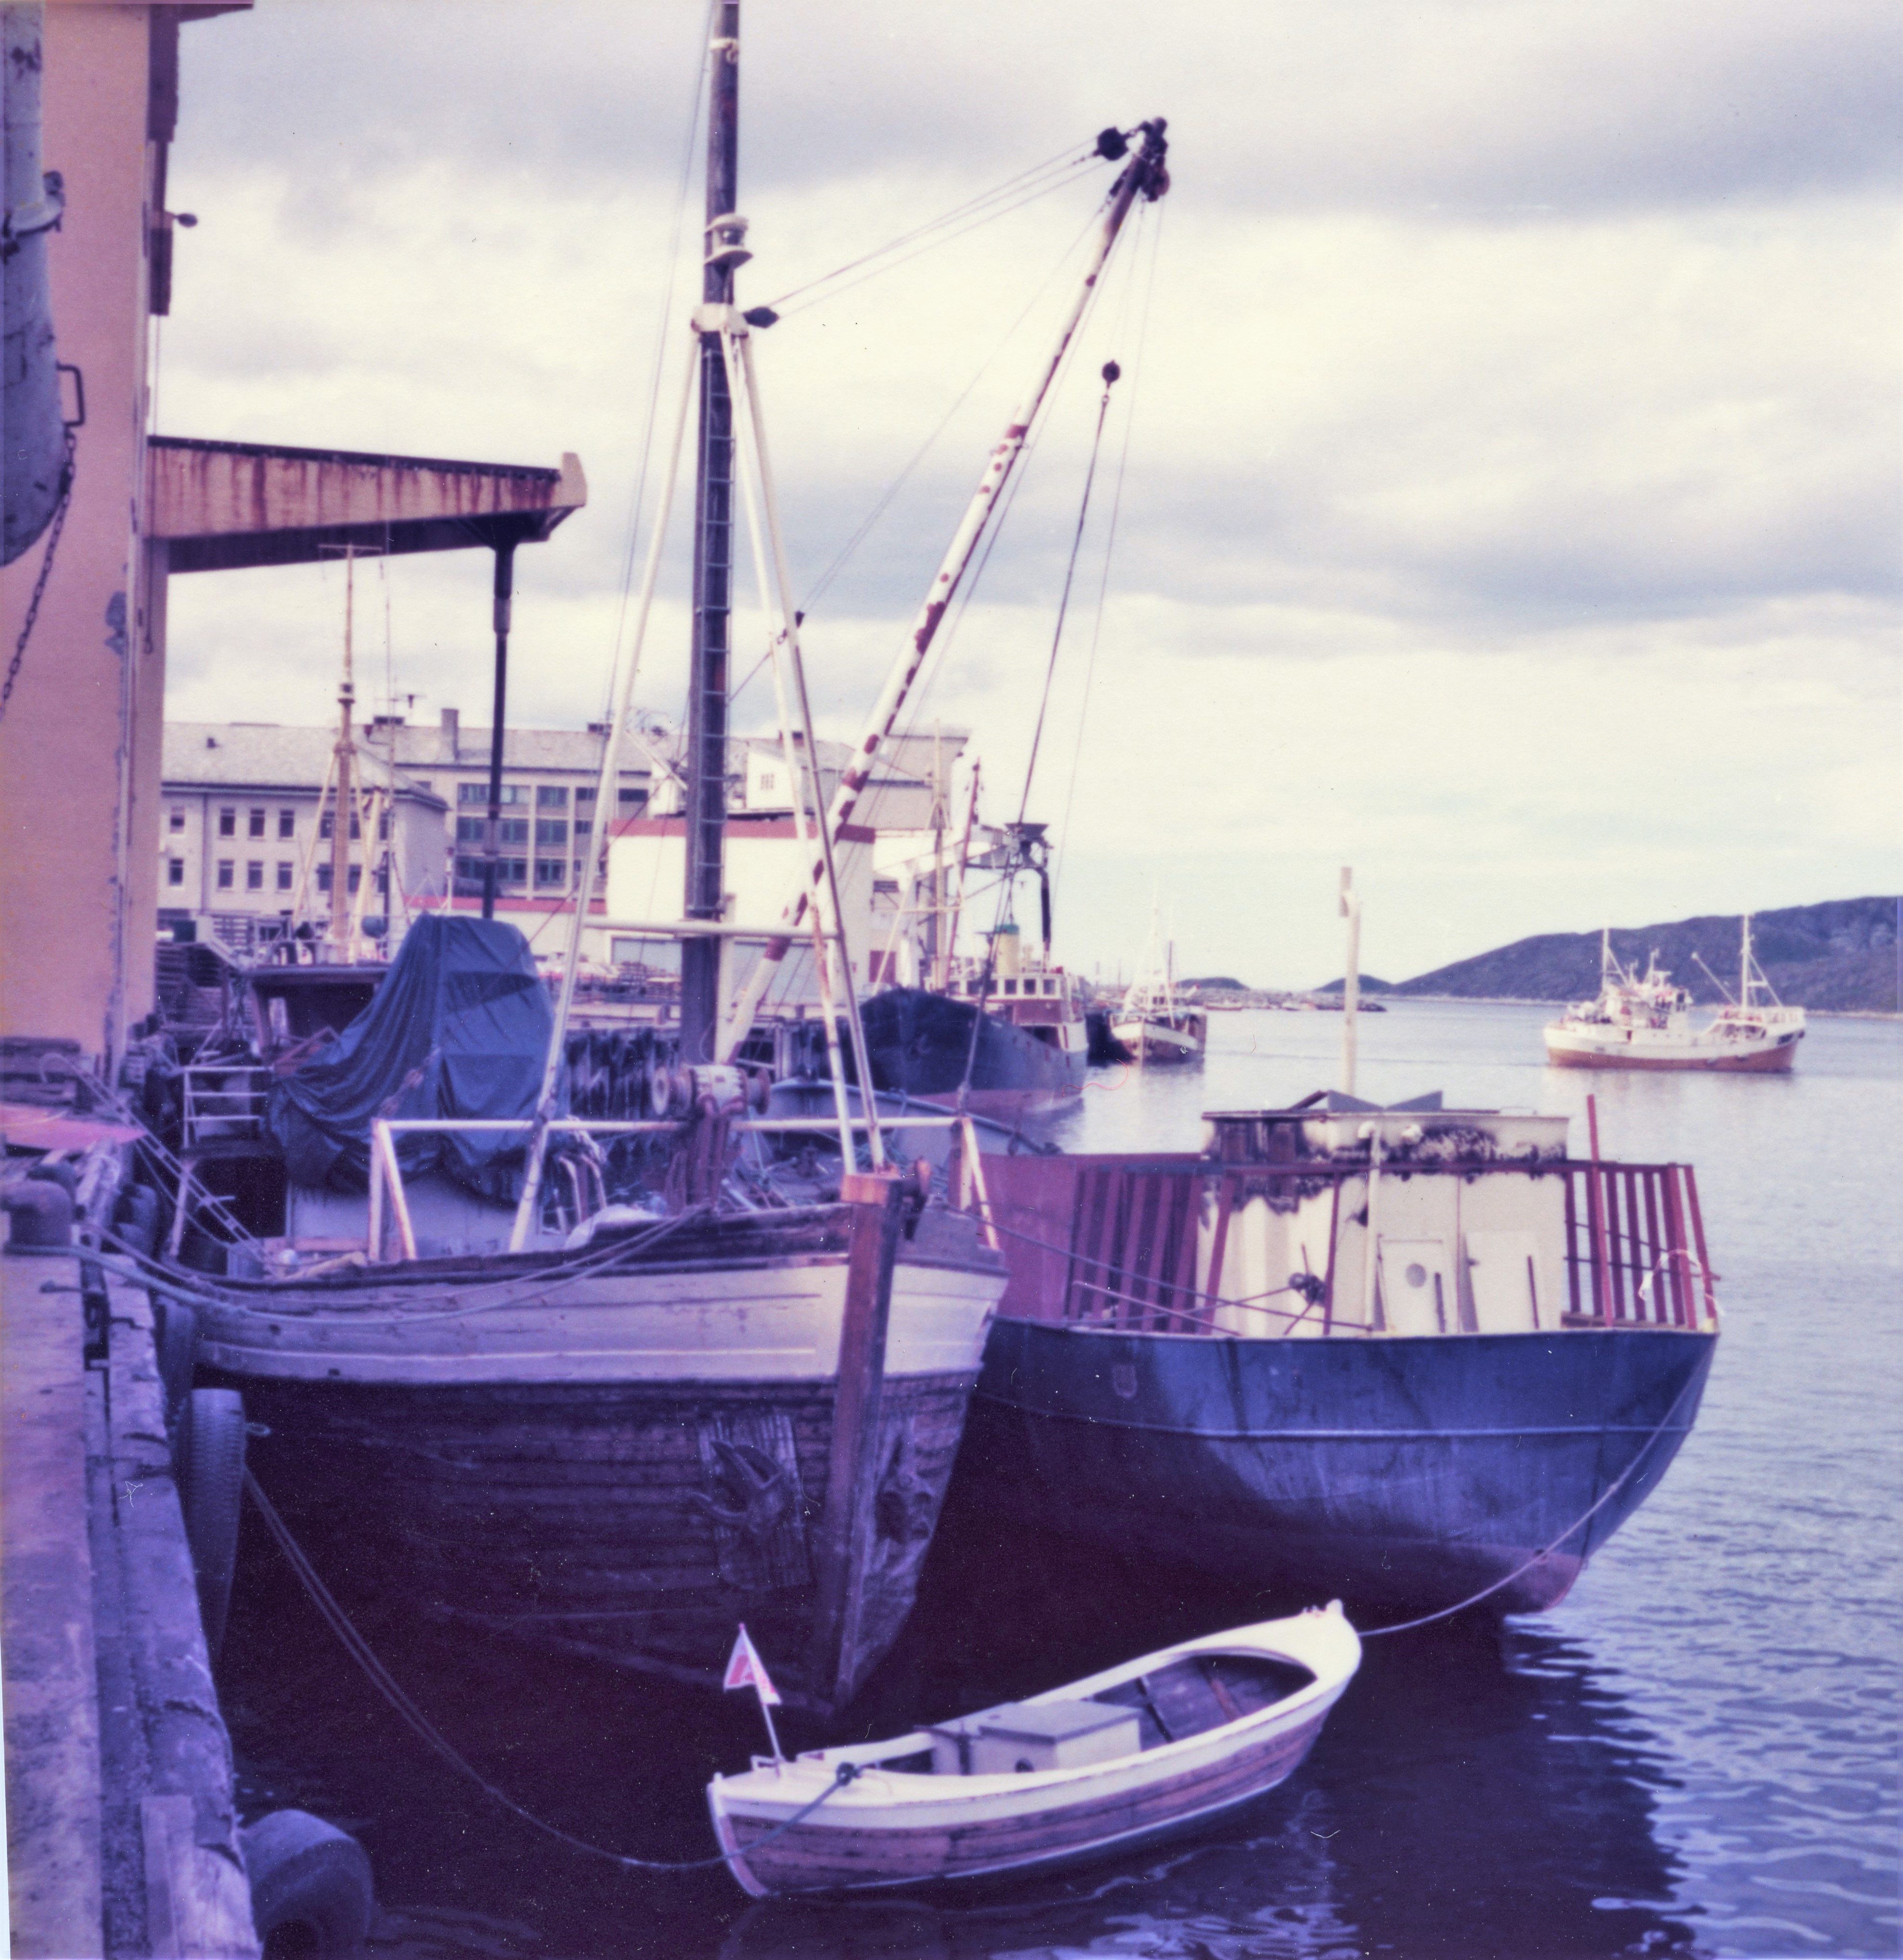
(598, 1384)
(1141, 1750)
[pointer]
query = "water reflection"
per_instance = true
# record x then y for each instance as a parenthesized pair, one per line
(1478, 1790)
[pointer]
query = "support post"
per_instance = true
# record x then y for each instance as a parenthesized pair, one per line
(852, 1471)
(707, 705)
(499, 717)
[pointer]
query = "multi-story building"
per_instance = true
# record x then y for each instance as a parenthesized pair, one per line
(246, 831)
(245, 836)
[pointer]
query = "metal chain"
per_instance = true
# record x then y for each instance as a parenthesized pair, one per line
(46, 568)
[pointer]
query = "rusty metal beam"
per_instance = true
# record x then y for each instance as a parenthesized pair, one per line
(224, 506)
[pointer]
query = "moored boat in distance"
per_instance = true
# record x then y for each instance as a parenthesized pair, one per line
(1136, 1752)
(1410, 1355)
(1154, 1025)
(1644, 1021)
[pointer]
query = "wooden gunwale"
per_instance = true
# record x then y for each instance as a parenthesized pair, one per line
(810, 1852)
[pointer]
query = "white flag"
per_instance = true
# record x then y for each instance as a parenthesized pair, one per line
(745, 1669)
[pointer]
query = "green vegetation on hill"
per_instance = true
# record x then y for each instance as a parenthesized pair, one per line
(1841, 957)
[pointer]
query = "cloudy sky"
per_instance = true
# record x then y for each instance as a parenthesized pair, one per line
(1506, 466)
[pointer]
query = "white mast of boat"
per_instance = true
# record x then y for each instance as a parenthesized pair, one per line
(1351, 981)
(1145, 177)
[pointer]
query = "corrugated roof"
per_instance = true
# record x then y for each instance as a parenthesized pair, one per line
(266, 756)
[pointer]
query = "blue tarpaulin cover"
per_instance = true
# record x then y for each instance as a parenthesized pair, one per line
(460, 1027)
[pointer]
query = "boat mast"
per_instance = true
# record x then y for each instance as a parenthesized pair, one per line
(1350, 984)
(707, 703)
(345, 806)
(1146, 176)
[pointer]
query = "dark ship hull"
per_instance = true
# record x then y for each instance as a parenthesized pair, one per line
(1401, 1475)
(928, 1046)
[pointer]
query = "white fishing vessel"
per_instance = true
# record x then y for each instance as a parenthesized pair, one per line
(1153, 1023)
(1646, 1021)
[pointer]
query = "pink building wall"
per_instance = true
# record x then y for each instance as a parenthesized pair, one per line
(80, 741)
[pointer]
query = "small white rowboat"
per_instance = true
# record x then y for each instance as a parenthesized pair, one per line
(1126, 1754)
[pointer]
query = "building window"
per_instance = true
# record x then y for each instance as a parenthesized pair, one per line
(324, 877)
(513, 794)
(583, 827)
(551, 830)
(356, 827)
(254, 874)
(356, 876)
(287, 823)
(551, 796)
(178, 819)
(175, 870)
(383, 882)
(382, 827)
(513, 829)
(632, 799)
(471, 829)
(256, 823)
(226, 868)
(584, 796)
(326, 823)
(227, 823)
(551, 871)
(283, 876)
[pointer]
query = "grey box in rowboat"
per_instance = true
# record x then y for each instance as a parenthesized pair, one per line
(1023, 1736)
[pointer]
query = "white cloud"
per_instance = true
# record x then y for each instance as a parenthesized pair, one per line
(1512, 505)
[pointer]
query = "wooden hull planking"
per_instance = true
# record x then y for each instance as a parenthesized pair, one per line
(891, 1827)
(620, 1465)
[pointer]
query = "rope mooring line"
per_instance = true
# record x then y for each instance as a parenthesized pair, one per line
(385, 1684)
(1585, 1517)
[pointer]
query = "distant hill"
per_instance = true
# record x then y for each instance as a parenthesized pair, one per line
(1216, 983)
(1842, 956)
(1367, 984)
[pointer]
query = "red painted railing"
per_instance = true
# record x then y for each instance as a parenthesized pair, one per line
(1112, 1241)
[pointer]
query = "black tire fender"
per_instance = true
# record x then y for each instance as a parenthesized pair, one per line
(210, 1491)
(177, 1343)
(307, 1875)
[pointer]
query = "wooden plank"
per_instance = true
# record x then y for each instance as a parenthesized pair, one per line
(1219, 1240)
(1658, 1259)
(816, 1855)
(845, 1536)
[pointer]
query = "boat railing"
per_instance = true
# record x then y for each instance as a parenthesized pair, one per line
(223, 1103)
(390, 1201)
(1146, 1240)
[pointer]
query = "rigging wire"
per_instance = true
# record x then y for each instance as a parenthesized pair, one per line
(1111, 373)
(1027, 185)
(688, 153)
(878, 510)
(1110, 540)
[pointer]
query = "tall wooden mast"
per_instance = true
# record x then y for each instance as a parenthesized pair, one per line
(706, 812)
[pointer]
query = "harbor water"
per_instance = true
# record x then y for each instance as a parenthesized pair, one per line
(1696, 1754)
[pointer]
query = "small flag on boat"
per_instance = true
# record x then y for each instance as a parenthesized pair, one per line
(745, 1669)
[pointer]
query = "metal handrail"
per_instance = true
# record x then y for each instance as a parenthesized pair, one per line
(387, 1176)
